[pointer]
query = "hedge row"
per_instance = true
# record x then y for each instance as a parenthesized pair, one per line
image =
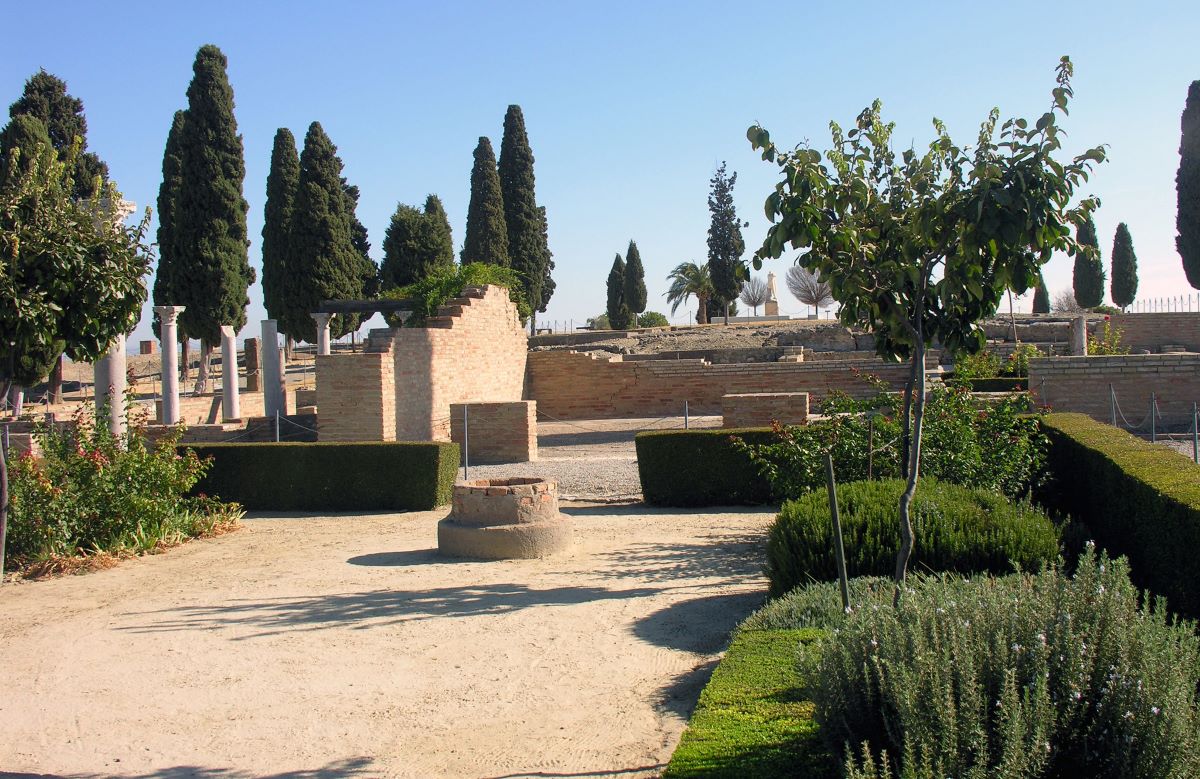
(382, 476)
(701, 467)
(1137, 499)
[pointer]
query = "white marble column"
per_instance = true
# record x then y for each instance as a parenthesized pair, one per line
(1079, 336)
(169, 347)
(231, 402)
(272, 372)
(109, 375)
(322, 320)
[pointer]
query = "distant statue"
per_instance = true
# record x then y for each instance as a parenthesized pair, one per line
(771, 307)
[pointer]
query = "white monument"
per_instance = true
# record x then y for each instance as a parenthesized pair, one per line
(771, 307)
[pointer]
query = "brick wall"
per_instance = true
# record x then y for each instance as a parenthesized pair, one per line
(1081, 384)
(497, 432)
(760, 409)
(196, 410)
(573, 385)
(356, 399)
(1152, 331)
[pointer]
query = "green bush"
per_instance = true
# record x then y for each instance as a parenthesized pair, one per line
(446, 283)
(1021, 676)
(986, 364)
(819, 604)
(700, 467)
(1138, 499)
(652, 319)
(957, 529)
(381, 476)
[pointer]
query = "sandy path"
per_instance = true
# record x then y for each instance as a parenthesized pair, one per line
(345, 646)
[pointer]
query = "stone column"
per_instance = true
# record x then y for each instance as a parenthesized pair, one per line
(16, 400)
(253, 364)
(272, 373)
(322, 320)
(170, 362)
(231, 403)
(109, 374)
(1079, 336)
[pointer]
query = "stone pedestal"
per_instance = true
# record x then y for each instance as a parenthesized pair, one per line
(272, 373)
(322, 320)
(253, 364)
(230, 401)
(167, 317)
(110, 377)
(1079, 335)
(504, 519)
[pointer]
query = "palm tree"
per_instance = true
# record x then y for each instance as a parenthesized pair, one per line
(689, 279)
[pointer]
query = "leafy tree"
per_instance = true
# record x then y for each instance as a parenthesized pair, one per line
(725, 244)
(1041, 297)
(1088, 277)
(808, 288)
(688, 279)
(754, 293)
(70, 275)
(45, 98)
(635, 282)
(528, 251)
(921, 247)
(654, 319)
(212, 270)
(1187, 188)
(278, 263)
(416, 243)
(487, 235)
(1124, 268)
(618, 312)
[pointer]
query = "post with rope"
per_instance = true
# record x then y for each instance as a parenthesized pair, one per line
(1195, 435)
(466, 441)
(276, 425)
(685, 415)
(1112, 404)
(870, 447)
(839, 551)
(1153, 419)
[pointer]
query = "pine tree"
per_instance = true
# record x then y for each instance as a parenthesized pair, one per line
(45, 98)
(1187, 188)
(618, 312)
(416, 243)
(164, 293)
(1124, 267)
(725, 244)
(487, 236)
(279, 266)
(528, 251)
(212, 269)
(1088, 278)
(1041, 298)
(635, 282)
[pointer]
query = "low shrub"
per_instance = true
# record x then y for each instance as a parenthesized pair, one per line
(957, 529)
(1031, 675)
(819, 604)
(378, 476)
(1107, 341)
(444, 284)
(986, 364)
(701, 467)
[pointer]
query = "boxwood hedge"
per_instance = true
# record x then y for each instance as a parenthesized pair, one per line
(701, 467)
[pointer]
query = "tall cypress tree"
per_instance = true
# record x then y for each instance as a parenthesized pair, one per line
(29, 135)
(367, 269)
(725, 244)
(45, 97)
(165, 277)
(528, 251)
(1088, 277)
(416, 244)
(635, 282)
(487, 235)
(1187, 188)
(1124, 267)
(279, 267)
(618, 312)
(213, 269)
(442, 244)
(548, 285)
(1041, 298)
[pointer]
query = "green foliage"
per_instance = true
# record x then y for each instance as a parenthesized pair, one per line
(528, 251)
(689, 279)
(653, 319)
(600, 322)
(380, 476)
(958, 529)
(1137, 499)
(986, 364)
(487, 234)
(718, 308)
(1022, 676)
(416, 243)
(45, 98)
(1108, 341)
(444, 284)
(1041, 297)
(365, 268)
(725, 243)
(26, 134)
(166, 277)
(635, 282)
(279, 267)
(1187, 188)
(1124, 267)
(819, 604)
(619, 315)
(701, 467)
(91, 491)
(1088, 275)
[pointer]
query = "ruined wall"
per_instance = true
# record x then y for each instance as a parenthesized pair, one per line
(1153, 331)
(1082, 384)
(356, 397)
(496, 432)
(760, 409)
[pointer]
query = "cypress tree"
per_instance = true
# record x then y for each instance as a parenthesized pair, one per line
(279, 267)
(1187, 188)
(1124, 267)
(213, 269)
(618, 312)
(548, 285)
(29, 135)
(442, 244)
(725, 244)
(45, 98)
(1041, 297)
(164, 293)
(528, 251)
(635, 282)
(416, 244)
(367, 269)
(1088, 277)
(487, 236)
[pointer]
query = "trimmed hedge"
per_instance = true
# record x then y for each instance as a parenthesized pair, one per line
(701, 467)
(957, 529)
(1138, 499)
(378, 476)
(999, 384)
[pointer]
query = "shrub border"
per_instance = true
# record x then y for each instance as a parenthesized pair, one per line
(691, 468)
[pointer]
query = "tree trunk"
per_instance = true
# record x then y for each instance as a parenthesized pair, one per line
(56, 379)
(1013, 319)
(185, 369)
(4, 385)
(288, 346)
(16, 400)
(907, 540)
(205, 363)
(702, 314)
(726, 312)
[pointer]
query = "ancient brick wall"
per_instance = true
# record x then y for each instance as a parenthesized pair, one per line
(760, 409)
(1082, 384)
(356, 398)
(496, 432)
(1153, 331)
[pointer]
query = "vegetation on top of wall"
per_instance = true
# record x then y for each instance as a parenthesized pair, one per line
(447, 283)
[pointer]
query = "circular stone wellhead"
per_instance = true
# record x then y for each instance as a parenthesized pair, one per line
(503, 519)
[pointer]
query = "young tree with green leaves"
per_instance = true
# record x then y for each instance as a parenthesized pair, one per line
(618, 312)
(416, 244)
(212, 269)
(1041, 297)
(688, 279)
(1124, 268)
(1088, 277)
(278, 264)
(45, 98)
(487, 234)
(1187, 188)
(725, 243)
(528, 252)
(166, 276)
(920, 247)
(635, 283)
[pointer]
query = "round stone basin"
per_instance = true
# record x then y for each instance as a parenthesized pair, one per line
(501, 519)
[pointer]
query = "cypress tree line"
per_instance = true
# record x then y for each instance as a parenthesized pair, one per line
(368, 271)
(1088, 277)
(45, 98)
(416, 243)
(212, 270)
(1124, 267)
(1187, 188)
(279, 267)
(725, 244)
(1041, 298)
(528, 251)
(618, 312)
(635, 282)
(487, 235)
(164, 292)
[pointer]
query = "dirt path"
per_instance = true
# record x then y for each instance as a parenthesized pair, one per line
(346, 646)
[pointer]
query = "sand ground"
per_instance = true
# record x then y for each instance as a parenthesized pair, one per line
(336, 646)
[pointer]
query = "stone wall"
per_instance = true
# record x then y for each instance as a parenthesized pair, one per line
(1082, 384)
(760, 409)
(356, 396)
(1153, 331)
(195, 410)
(496, 432)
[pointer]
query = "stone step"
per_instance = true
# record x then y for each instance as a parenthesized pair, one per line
(473, 292)
(451, 310)
(440, 322)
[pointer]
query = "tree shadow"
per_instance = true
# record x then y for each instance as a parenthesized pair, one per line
(700, 625)
(403, 559)
(730, 558)
(354, 766)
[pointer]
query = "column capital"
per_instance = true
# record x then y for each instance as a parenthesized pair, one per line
(227, 331)
(167, 314)
(321, 317)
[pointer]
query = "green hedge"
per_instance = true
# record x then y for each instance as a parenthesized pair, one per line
(701, 467)
(1137, 499)
(331, 476)
(959, 529)
(999, 384)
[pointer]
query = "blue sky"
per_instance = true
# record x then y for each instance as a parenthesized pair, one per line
(629, 106)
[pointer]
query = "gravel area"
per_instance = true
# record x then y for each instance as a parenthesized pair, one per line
(1183, 446)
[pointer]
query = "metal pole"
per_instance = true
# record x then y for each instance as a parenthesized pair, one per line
(1112, 404)
(838, 550)
(685, 415)
(870, 448)
(1195, 435)
(1153, 419)
(4, 440)
(276, 425)
(466, 442)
